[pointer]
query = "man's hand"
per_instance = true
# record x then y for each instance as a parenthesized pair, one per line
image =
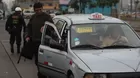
(41, 30)
(27, 39)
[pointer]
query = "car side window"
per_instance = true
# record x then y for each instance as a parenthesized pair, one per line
(60, 25)
(55, 20)
(49, 31)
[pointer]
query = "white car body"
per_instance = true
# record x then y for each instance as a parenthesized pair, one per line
(85, 63)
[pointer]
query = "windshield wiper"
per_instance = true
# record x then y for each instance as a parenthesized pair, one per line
(119, 46)
(86, 46)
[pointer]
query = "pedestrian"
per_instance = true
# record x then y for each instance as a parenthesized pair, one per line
(14, 25)
(34, 26)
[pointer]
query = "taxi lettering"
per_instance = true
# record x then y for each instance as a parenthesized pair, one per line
(84, 30)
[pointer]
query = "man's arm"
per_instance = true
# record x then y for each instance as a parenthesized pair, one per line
(49, 18)
(8, 23)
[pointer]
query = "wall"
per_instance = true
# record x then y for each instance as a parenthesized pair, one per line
(64, 4)
(63, 7)
(87, 10)
(106, 11)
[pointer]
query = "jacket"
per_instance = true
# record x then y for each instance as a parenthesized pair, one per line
(35, 24)
(15, 23)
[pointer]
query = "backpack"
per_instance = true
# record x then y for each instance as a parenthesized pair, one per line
(27, 51)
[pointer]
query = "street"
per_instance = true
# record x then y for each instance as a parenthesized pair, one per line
(9, 67)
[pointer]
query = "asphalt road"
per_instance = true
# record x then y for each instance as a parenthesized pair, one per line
(8, 62)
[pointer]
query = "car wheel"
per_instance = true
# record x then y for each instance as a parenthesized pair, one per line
(71, 76)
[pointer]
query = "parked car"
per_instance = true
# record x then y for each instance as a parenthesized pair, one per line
(89, 46)
(27, 13)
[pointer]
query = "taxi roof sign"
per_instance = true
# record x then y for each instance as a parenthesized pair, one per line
(96, 16)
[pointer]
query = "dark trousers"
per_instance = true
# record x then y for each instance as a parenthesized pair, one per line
(35, 49)
(15, 36)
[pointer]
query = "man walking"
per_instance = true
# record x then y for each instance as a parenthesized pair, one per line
(14, 25)
(34, 26)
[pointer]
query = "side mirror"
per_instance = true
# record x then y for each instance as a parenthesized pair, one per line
(47, 37)
(53, 44)
(52, 25)
(47, 40)
(57, 46)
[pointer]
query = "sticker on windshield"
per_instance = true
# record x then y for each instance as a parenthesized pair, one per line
(76, 39)
(77, 42)
(84, 30)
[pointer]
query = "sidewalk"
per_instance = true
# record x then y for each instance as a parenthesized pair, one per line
(7, 68)
(26, 69)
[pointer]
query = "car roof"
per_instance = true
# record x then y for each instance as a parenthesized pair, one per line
(84, 18)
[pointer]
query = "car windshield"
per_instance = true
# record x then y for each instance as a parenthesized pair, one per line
(103, 36)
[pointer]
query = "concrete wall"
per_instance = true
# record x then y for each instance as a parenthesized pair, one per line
(63, 7)
(88, 10)
(105, 11)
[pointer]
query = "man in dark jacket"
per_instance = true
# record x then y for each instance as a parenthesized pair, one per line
(14, 25)
(34, 27)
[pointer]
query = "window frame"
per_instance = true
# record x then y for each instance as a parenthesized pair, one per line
(44, 32)
(104, 23)
(63, 27)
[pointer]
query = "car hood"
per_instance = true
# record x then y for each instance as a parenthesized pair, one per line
(122, 60)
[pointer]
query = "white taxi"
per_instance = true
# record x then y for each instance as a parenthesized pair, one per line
(89, 46)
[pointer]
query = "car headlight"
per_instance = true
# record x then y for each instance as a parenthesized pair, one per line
(95, 76)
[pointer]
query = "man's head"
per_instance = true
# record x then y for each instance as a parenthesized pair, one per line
(18, 10)
(38, 7)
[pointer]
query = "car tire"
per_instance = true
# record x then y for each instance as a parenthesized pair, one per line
(71, 76)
